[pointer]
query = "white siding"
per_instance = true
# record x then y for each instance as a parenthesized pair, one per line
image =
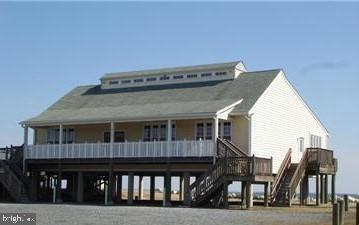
(279, 118)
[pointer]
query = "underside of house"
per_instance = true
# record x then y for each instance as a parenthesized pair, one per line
(207, 126)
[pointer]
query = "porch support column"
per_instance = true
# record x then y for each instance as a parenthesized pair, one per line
(112, 138)
(321, 189)
(152, 188)
(180, 188)
(130, 188)
(243, 193)
(304, 191)
(140, 187)
(326, 188)
(34, 138)
(333, 189)
(266, 194)
(80, 187)
(186, 189)
(26, 138)
(215, 136)
(169, 137)
(119, 187)
(34, 184)
(225, 195)
(110, 186)
(167, 189)
(249, 197)
(317, 189)
(58, 185)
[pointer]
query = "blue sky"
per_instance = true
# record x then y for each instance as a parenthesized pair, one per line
(46, 49)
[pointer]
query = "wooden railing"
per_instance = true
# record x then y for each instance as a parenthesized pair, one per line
(320, 156)
(10, 181)
(226, 148)
(298, 174)
(190, 148)
(281, 172)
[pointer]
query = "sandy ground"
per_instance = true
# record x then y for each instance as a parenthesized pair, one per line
(65, 214)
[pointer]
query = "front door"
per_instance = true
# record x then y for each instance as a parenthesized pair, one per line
(300, 147)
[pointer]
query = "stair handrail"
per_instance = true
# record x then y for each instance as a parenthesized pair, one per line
(229, 149)
(285, 164)
(297, 176)
(237, 148)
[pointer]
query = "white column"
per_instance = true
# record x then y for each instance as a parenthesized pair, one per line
(215, 136)
(112, 138)
(26, 132)
(60, 140)
(169, 137)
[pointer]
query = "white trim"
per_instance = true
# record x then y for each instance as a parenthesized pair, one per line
(230, 107)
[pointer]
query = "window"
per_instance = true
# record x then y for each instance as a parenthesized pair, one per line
(53, 135)
(301, 144)
(173, 132)
(208, 131)
(206, 74)
(112, 82)
(163, 132)
(138, 80)
(177, 77)
(155, 133)
(125, 81)
(226, 131)
(164, 77)
(191, 75)
(221, 73)
(200, 131)
(151, 79)
(119, 136)
(147, 133)
(315, 141)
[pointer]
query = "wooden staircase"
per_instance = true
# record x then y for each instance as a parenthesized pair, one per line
(211, 189)
(11, 177)
(290, 174)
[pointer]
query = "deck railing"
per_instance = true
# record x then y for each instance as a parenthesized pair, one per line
(184, 148)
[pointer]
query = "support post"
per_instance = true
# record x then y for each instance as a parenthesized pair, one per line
(225, 195)
(34, 185)
(266, 194)
(321, 189)
(181, 188)
(215, 136)
(333, 189)
(357, 214)
(140, 187)
(112, 138)
(80, 187)
(249, 199)
(335, 218)
(243, 194)
(26, 138)
(186, 189)
(110, 186)
(305, 189)
(341, 212)
(317, 189)
(346, 203)
(130, 188)
(58, 185)
(152, 187)
(119, 188)
(326, 189)
(167, 189)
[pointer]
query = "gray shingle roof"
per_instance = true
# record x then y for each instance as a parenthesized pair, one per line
(91, 103)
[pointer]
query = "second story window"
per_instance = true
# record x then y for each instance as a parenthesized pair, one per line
(315, 141)
(191, 75)
(151, 79)
(206, 74)
(53, 135)
(177, 77)
(140, 80)
(221, 73)
(164, 77)
(125, 81)
(112, 82)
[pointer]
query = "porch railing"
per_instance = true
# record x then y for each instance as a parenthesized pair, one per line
(184, 148)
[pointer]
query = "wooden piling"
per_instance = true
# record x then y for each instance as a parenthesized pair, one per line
(357, 216)
(335, 214)
(346, 203)
(341, 212)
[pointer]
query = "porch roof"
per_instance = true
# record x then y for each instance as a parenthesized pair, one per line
(91, 103)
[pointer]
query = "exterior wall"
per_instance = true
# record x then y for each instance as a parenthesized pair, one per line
(279, 118)
(240, 132)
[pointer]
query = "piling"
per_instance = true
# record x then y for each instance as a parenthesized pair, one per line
(341, 212)
(335, 214)
(346, 203)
